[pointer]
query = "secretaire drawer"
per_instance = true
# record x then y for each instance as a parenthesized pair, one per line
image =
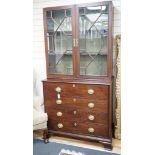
(51, 90)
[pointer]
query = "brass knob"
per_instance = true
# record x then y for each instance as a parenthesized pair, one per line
(91, 130)
(91, 117)
(73, 85)
(59, 101)
(59, 113)
(74, 112)
(91, 105)
(60, 125)
(58, 89)
(90, 91)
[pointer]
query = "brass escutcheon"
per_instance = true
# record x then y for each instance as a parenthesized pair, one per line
(74, 112)
(74, 99)
(75, 124)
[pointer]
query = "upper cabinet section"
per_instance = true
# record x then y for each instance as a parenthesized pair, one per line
(78, 41)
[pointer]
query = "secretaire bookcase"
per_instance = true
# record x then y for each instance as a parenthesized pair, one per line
(78, 88)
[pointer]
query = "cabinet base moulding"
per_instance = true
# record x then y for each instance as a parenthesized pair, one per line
(107, 143)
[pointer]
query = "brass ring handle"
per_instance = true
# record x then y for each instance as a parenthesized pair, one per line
(59, 113)
(58, 89)
(91, 130)
(59, 101)
(60, 125)
(91, 105)
(91, 117)
(90, 91)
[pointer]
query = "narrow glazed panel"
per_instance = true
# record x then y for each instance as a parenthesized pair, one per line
(93, 23)
(59, 37)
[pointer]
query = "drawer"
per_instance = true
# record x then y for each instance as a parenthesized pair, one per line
(73, 114)
(90, 129)
(79, 90)
(77, 103)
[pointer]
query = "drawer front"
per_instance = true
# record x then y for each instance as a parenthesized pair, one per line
(77, 115)
(77, 103)
(79, 128)
(80, 90)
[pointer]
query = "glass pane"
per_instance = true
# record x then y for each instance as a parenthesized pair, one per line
(93, 67)
(68, 12)
(59, 33)
(93, 40)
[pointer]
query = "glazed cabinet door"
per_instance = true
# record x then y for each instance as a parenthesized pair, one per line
(59, 40)
(93, 35)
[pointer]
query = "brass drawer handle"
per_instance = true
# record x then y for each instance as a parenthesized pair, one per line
(60, 125)
(59, 113)
(91, 130)
(59, 101)
(58, 89)
(90, 91)
(91, 117)
(91, 105)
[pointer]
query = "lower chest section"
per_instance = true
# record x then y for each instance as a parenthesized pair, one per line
(78, 108)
